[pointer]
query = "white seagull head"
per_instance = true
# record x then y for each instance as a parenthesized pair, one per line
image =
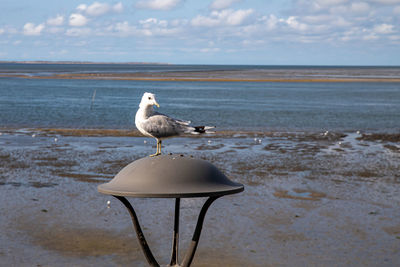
(148, 99)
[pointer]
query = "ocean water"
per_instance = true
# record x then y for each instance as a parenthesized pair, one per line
(282, 106)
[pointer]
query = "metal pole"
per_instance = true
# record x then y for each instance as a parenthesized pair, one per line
(175, 243)
(196, 236)
(142, 240)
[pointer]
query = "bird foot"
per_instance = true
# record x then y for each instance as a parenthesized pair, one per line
(156, 154)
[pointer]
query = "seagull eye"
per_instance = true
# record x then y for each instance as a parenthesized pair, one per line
(149, 97)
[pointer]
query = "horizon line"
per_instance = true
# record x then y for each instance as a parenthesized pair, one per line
(84, 62)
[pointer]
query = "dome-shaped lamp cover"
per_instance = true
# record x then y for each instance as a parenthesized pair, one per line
(170, 176)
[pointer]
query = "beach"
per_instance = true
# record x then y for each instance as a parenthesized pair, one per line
(317, 149)
(310, 199)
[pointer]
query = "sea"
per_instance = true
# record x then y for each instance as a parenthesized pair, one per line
(265, 106)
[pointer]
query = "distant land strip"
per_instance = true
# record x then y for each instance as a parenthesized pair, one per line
(205, 76)
(68, 62)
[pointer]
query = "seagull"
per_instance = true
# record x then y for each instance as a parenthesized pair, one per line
(159, 126)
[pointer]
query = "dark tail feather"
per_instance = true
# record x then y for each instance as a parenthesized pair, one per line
(202, 129)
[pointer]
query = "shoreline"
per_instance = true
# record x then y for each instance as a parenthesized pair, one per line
(308, 134)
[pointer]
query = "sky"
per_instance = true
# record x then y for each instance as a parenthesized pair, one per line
(251, 32)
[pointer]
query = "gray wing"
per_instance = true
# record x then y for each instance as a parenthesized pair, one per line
(162, 126)
(176, 120)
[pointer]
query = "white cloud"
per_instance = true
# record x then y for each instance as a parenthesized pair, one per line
(118, 7)
(335, 22)
(178, 22)
(98, 9)
(352, 9)
(370, 37)
(153, 22)
(158, 4)
(387, 2)
(271, 22)
(224, 17)
(383, 28)
(318, 5)
(32, 29)
(81, 7)
(222, 4)
(55, 30)
(330, 2)
(341, 22)
(123, 29)
(156, 27)
(238, 17)
(360, 7)
(318, 19)
(56, 21)
(149, 27)
(210, 50)
(205, 21)
(77, 20)
(2, 31)
(293, 23)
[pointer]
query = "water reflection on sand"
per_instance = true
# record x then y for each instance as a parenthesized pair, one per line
(311, 198)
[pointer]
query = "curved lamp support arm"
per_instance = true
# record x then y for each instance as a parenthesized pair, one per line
(142, 240)
(175, 240)
(174, 258)
(196, 236)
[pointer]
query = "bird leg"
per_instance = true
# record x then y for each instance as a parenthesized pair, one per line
(158, 149)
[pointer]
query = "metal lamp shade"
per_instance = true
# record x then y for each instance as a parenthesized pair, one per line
(170, 176)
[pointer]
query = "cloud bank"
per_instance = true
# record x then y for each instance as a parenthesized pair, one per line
(215, 26)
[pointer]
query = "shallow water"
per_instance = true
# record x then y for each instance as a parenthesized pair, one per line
(311, 198)
(294, 106)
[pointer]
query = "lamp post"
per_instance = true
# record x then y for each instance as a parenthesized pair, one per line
(170, 176)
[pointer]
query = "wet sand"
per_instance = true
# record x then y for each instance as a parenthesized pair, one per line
(310, 199)
(257, 75)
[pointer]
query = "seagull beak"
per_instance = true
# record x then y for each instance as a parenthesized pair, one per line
(155, 103)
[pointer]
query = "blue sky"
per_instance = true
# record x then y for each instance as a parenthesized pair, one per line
(285, 32)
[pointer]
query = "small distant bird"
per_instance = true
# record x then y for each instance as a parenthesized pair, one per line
(160, 126)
